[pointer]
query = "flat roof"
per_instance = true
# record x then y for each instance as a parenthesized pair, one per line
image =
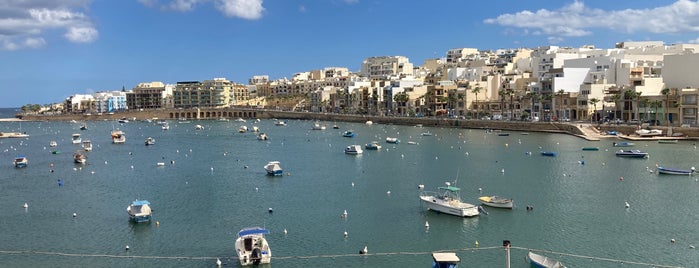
(445, 257)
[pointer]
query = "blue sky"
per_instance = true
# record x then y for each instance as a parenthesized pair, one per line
(51, 49)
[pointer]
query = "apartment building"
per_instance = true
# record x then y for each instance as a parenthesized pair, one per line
(386, 66)
(214, 93)
(146, 96)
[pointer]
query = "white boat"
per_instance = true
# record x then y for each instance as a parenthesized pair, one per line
(13, 135)
(76, 138)
(87, 145)
(426, 133)
(53, 144)
(21, 161)
(274, 168)
(118, 137)
(150, 141)
(448, 201)
(445, 260)
(139, 211)
(280, 123)
(353, 149)
(392, 140)
(165, 126)
(255, 129)
(374, 145)
(123, 120)
(243, 129)
(539, 261)
(252, 247)
(649, 132)
(240, 120)
(676, 171)
(369, 122)
(631, 154)
(496, 201)
(262, 136)
(318, 126)
(198, 127)
(79, 158)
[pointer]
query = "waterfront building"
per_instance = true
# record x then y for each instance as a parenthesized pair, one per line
(386, 66)
(109, 102)
(78, 103)
(214, 93)
(146, 96)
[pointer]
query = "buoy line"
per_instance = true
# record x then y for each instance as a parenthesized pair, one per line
(64, 254)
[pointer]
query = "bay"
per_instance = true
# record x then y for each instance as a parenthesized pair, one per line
(213, 184)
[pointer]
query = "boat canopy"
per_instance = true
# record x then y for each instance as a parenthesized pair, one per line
(450, 188)
(253, 231)
(449, 257)
(140, 203)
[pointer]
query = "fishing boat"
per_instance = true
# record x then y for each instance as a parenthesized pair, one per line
(118, 137)
(549, 153)
(676, 171)
(139, 211)
(667, 141)
(21, 161)
(87, 145)
(53, 144)
(348, 134)
(590, 148)
(496, 201)
(539, 261)
(353, 149)
(79, 158)
(274, 168)
(445, 260)
(392, 140)
(255, 129)
(448, 201)
(150, 141)
(262, 136)
(623, 144)
(76, 138)
(252, 247)
(123, 120)
(631, 153)
(374, 145)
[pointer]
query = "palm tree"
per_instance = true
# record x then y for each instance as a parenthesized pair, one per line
(594, 102)
(645, 102)
(502, 94)
(532, 96)
(666, 92)
(560, 93)
(476, 90)
(512, 107)
(655, 105)
(615, 99)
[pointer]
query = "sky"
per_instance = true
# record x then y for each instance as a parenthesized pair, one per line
(52, 49)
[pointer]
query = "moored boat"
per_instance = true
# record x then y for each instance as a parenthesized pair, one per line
(87, 145)
(649, 132)
(150, 141)
(318, 126)
(21, 161)
(79, 158)
(631, 153)
(83, 127)
(348, 134)
(590, 148)
(165, 126)
(445, 260)
(280, 123)
(496, 201)
(353, 149)
(667, 141)
(75, 138)
(392, 140)
(448, 201)
(139, 211)
(549, 153)
(273, 168)
(623, 144)
(374, 145)
(118, 137)
(539, 261)
(53, 144)
(426, 133)
(243, 129)
(198, 127)
(262, 136)
(676, 171)
(252, 247)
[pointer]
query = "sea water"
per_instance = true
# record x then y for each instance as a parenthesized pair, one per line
(213, 184)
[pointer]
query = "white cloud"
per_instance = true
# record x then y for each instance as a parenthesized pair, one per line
(246, 9)
(23, 23)
(695, 41)
(183, 5)
(576, 19)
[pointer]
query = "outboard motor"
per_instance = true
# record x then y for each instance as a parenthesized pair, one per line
(256, 256)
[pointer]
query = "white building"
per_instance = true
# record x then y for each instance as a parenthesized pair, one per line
(385, 66)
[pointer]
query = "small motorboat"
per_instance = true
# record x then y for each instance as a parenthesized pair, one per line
(53, 144)
(274, 168)
(118, 137)
(348, 134)
(392, 140)
(262, 136)
(242, 129)
(649, 132)
(426, 133)
(503, 134)
(165, 126)
(280, 123)
(139, 211)
(199, 127)
(318, 126)
(590, 148)
(252, 247)
(336, 127)
(21, 161)
(79, 158)
(549, 153)
(150, 141)
(374, 145)
(76, 138)
(83, 127)
(631, 153)
(448, 201)
(539, 261)
(87, 145)
(676, 171)
(496, 201)
(623, 144)
(353, 149)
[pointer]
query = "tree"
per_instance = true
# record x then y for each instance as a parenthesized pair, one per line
(615, 99)
(560, 93)
(532, 97)
(594, 102)
(502, 94)
(655, 105)
(666, 92)
(644, 103)
(476, 90)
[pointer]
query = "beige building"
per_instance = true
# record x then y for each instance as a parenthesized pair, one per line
(386, 66)
(214, 93)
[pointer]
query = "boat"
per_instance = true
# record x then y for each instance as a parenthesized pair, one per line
(243, 129)
(348, 134)
(426, 133)
(123, 120)
(318, 126)
(649, 132)
(56, 152)
(448, 201)
(76, 138)
(53, 144)
(392, 140)
(280, 123)
(198, 127)
(548, 153)
(374, 145)
(496, 201)
(139, 211)
(503, 134)
(79, 158)
(87, 145)
(667, 141)
(369, 123)
(255, 129)
(336, 127)
(83, 127)
(539, 261)
(611, 133)
(240, 120)
(676, 171)
(353, 149)
(412, 143)
(21, 161)
(590, 148)
(13, 135)
(252, 247)
(445, 260)
(631, 153)
(165, 126)
(118, 137)
(262, 136)
(274, 169)
(623, 144)
(150, 141)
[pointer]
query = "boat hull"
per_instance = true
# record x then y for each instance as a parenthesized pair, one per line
(539, 261)
(675, 171)
(145, 218)
(496, 202)
(436, 204)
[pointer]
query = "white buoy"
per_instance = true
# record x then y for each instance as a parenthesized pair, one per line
(345, 234)
(352, 184)
(344, 214)
(627, 205)
(420, 186)
(270, 210)
(285, 232)
(218, 262)
(256, 189)
(25, 205)
(388, 192)
(75, 214)
(502, 171)
(127, 247)
(480, 190)
(427, 224)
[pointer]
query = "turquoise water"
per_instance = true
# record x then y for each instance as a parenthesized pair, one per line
(217, 186)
